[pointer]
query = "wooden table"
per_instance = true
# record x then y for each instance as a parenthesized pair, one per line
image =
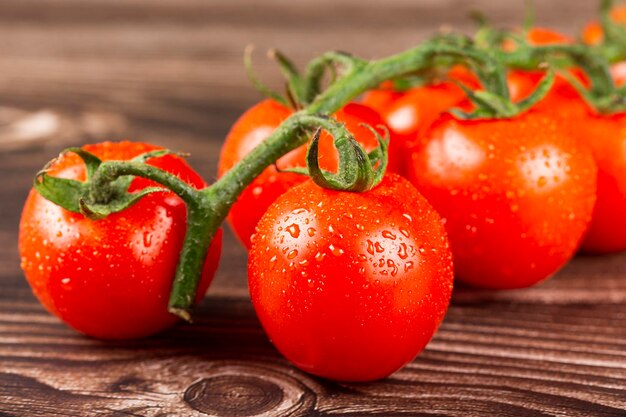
(169, 72)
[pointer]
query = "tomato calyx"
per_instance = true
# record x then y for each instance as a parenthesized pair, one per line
(612, 43)
(105, 192)
(301, 88)
(358, 170)
(537, 49)
(493, 101)
(94, 198)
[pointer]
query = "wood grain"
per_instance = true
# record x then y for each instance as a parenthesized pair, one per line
(169, 72)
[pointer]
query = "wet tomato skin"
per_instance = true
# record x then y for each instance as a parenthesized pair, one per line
(516, 195)
(110, 278)
(350, 286)
(259, 122)
(605, 137)
(380, 99)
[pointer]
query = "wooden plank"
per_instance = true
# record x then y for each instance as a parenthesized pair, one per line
(169, 72)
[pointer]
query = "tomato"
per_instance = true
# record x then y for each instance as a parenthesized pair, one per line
(350, 286)
(523, 83)
(110, 278)
(516, 195)
(409, 114)
(383, 97)
(593, 33)
(605, 137)
(258, 123)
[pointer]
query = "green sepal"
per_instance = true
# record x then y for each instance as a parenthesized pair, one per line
(295, 83)
(61, 191)
(613, 44)
(355, 171)
(96, 211)
(92, 162)
(81, 197)
(65, 192)
(379, 157)
(493, 106)
(542, 89)
(256, 82)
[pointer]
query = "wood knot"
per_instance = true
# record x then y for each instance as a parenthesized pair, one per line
(231, 395)
(243, 391)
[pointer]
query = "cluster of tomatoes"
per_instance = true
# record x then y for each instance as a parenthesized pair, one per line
(352, 286)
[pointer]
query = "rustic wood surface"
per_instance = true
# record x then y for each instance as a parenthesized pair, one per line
(169, 72)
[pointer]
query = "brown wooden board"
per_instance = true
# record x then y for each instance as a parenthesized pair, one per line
(169, 72)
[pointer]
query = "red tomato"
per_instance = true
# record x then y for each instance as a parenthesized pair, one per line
(593, 33)
(350, 286)
(523, 83)
(383, 97)
(258, 123)
(110, 278)
(516, 194)
(411, 113)
(618, 73)
(605, 136)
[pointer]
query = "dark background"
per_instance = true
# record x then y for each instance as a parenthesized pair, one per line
(170, 72)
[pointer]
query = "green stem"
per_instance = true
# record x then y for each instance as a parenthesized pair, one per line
(207, 208)
(109, 171)
(202, 224)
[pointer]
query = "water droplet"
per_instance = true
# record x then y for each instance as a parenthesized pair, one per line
(311, 231)
(292, 254)
(335, 250)
(362, 257)
(304, 262)
(394, 268)
(542, 181)
(319, 256)
(59, 234)
(273, 259)
(408, 265)
(360, 227)
(404, 232)
(294, 230)
(402, 251)
(147, 239)
(330, 228)
(379, 248)
(256, 191)
(408, 217)
(370, 247)
(388, 235)
(65, 281)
